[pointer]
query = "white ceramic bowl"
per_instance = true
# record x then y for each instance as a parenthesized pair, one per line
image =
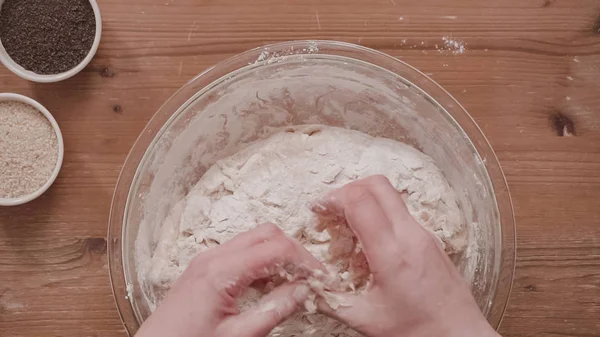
(31, 76)
(61, 149)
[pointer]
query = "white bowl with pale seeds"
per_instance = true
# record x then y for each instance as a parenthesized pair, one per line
(31, 149)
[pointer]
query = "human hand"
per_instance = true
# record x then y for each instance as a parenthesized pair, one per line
(414, 290)
(202, 302)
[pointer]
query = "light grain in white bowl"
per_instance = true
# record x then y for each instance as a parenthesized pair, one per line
(28, 149)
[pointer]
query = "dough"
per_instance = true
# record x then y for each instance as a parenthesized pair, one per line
(276, 180)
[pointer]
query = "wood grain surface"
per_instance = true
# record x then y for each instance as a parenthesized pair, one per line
(529, 77)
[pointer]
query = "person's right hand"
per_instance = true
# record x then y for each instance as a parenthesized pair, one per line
(415, 290)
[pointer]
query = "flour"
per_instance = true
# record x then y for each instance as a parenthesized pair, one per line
(456, 46)
(276, 180)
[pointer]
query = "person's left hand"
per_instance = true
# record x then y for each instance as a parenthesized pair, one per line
(202, 302)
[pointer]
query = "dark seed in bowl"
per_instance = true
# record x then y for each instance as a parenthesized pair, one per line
(47, 36)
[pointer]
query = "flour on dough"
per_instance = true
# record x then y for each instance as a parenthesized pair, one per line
(276, 180)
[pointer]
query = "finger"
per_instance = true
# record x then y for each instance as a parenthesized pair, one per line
(240, 242)
(272, 309)
(360, 312)
(238, 271)
(386, 195)
(366, 218)
(408, 231)
(340, 306)
(391, 201)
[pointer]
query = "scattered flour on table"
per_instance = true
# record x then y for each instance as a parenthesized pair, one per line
(276, 180)
(455, 46)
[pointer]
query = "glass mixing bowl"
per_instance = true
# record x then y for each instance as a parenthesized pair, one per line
(309, 82)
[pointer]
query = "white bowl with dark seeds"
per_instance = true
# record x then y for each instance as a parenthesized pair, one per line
(48, 40)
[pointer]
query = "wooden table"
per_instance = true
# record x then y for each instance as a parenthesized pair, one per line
(529, 76)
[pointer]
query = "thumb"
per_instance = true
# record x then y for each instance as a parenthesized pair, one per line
(272, 309)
